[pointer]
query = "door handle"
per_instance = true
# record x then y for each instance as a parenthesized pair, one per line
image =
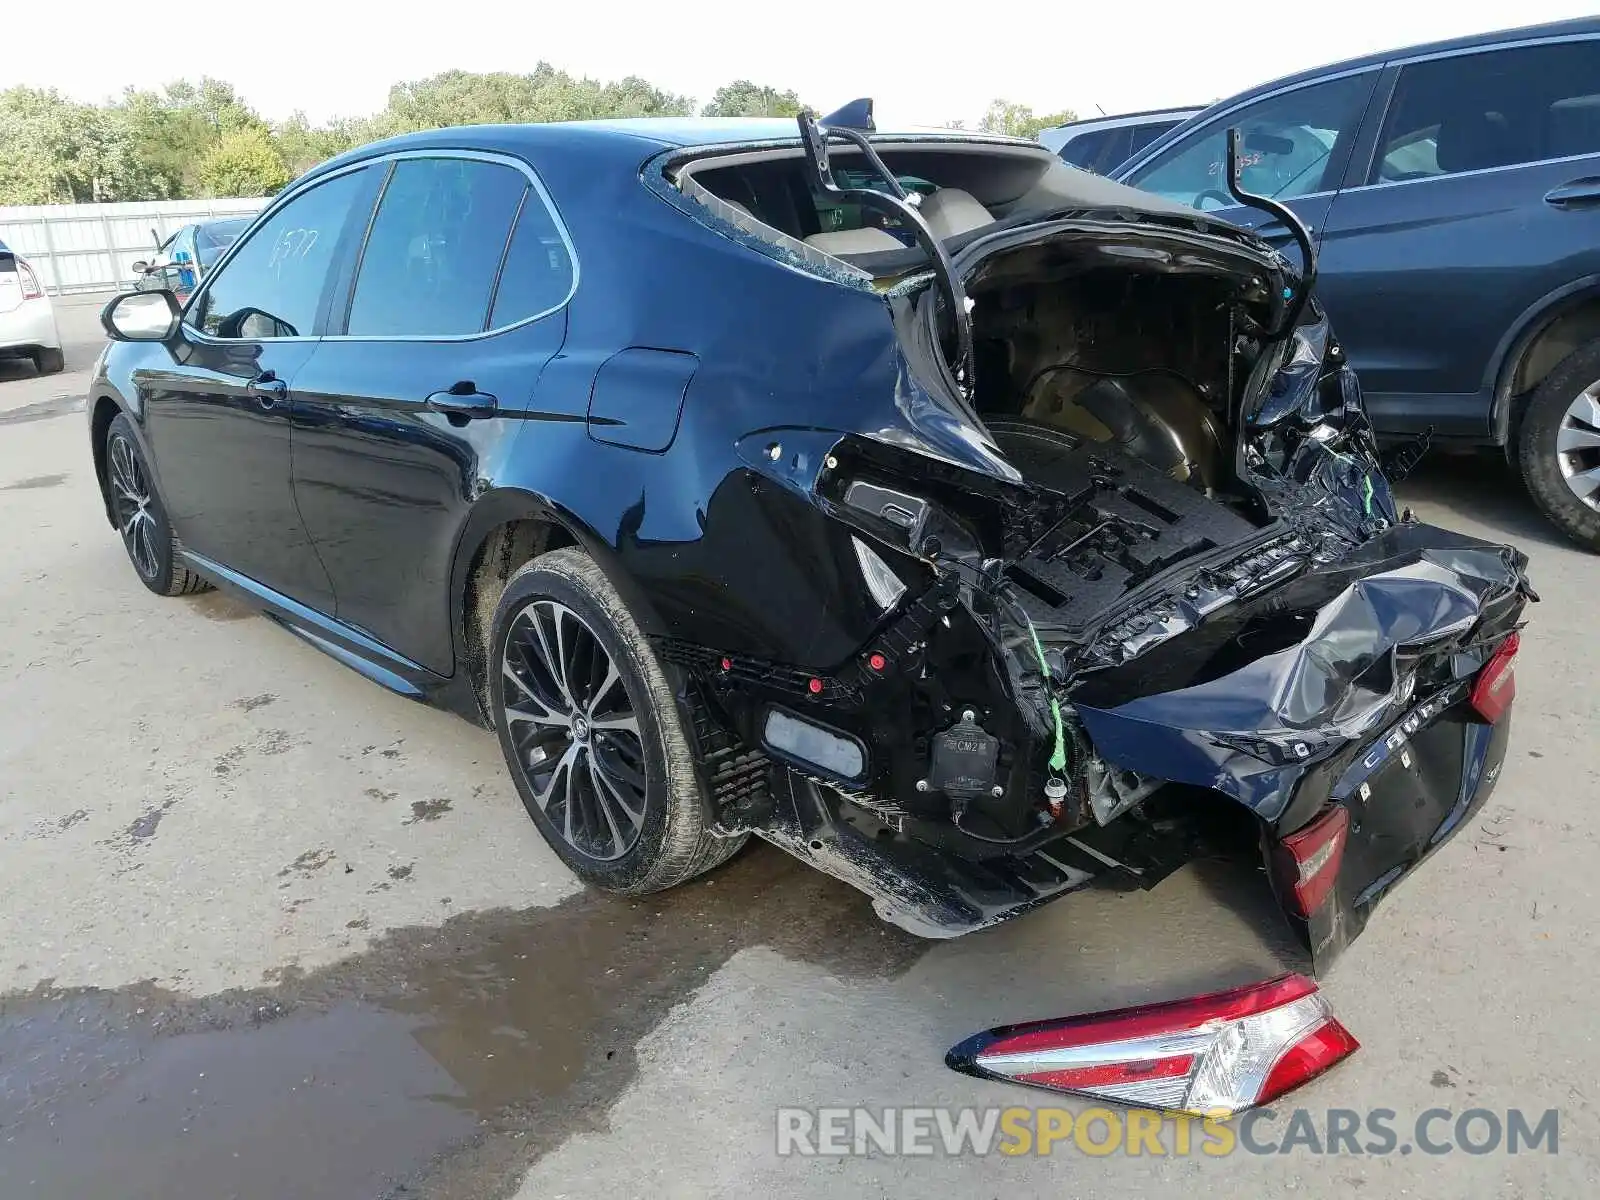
(268, 389)
(1576, 194)
(462, 402)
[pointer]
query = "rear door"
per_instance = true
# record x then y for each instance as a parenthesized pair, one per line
(456, 304)
(1295, 145)
(1480, 198)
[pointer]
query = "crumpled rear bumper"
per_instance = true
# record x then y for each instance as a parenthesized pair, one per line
(1423, 791)
(1367, 706)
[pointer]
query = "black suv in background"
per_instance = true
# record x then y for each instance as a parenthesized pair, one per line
(1454, 194)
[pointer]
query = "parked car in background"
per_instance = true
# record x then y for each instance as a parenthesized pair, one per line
(1453, 191)
(965, 590)
(1101, 144)
(27, 318)
(182, 260)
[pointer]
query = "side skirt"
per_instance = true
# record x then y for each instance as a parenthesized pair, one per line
(345, 643)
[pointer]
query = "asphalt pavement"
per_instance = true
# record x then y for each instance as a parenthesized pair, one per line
(270, 931)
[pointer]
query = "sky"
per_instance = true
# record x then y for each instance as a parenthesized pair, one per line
(924, 64)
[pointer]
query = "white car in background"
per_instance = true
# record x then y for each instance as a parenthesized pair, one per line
(27, 320)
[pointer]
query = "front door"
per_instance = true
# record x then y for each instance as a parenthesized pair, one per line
(1294, 147)
(403, 414)
(217, 399)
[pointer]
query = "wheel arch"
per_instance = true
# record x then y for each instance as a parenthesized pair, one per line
(102, 412)
(507, 528)
(1541, 337)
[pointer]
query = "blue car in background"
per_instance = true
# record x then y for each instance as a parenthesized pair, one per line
(1101, 144)
(1453, 193)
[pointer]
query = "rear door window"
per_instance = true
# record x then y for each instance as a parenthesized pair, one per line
(1143, 135)
(1287, 147)
(435, 248)
(1085, 149)
(1501, 108)
(538, 273)
(272, 287)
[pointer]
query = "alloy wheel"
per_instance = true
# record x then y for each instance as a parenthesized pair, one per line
(575, 731)
(131, 501)
(1578, 446)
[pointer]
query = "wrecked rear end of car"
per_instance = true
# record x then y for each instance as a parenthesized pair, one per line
(1107, 508)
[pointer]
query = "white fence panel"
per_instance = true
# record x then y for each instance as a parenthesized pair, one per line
(87, 247)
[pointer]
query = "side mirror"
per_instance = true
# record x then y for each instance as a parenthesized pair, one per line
(141, 316)
(139, 266)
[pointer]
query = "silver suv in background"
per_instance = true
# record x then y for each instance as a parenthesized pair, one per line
(1105, 143)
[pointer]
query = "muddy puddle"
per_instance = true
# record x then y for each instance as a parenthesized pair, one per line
(438, 1063)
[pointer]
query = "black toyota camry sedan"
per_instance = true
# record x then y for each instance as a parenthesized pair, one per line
(962, 523)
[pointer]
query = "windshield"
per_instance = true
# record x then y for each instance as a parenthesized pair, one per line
(212, 239)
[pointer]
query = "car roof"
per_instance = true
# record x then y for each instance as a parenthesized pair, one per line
(627, 136)
(1130, 118)
(1553, 29)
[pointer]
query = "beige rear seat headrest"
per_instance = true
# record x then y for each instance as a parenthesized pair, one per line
(950, 212)
(854, 241)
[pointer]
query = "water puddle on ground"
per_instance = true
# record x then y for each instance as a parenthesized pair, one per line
(43, 410)
(438, 1063)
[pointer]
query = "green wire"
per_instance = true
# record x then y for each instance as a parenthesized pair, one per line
(1058, 757)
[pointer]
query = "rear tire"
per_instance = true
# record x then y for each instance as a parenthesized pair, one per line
(141, 518)
(1558, 445)
(591, 732)
(49, 362)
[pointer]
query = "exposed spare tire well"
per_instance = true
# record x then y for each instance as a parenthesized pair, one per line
(1130, 341)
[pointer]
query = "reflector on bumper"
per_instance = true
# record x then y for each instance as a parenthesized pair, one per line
(1226, 1051)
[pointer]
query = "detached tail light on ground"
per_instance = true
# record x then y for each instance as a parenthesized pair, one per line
(1226, 1051)
(1496, 687)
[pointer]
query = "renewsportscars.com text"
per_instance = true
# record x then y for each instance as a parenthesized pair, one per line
(1103, 1131)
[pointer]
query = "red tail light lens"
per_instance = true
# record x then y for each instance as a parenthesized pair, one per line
(1309, 860)
(1227, 1050)
(30, 282)
(1497, 682)
(1308, 1058)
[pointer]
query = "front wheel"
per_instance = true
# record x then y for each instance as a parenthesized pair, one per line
(141, 518)
(1558, 445)
(591, 732)
(49, 361)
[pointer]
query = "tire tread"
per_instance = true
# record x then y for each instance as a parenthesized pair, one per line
(688, 848)
(1536, 432)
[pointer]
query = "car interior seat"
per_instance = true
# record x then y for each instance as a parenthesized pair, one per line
(1474, 141)
(951, 212)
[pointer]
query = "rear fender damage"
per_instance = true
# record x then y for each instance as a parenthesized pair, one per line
(1073, 641)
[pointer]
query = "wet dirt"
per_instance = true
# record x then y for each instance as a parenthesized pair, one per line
(43, 410)
(440, 1062)
(219, 606)
(34, 482)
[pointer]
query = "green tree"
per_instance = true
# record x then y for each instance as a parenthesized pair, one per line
(466, 98)
(1019, 120)
(741, 98)
(303, 145)
(244, 162)
(56, 151)
(198, 138)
